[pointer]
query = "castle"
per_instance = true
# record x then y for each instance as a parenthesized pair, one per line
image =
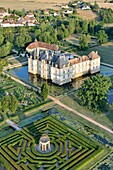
(49, 62)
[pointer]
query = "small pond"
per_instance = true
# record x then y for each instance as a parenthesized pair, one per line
(22, 73)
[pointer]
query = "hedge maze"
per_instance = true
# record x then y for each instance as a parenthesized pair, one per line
(71, 150)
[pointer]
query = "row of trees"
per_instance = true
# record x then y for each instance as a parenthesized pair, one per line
(6, 41)
(85, 39)
(106, 15)
(59, 29)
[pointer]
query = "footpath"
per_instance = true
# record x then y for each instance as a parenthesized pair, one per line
(81, 115)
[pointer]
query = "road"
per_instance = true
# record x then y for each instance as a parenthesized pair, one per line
(81, 115)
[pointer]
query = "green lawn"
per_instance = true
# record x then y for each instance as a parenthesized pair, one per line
(18, 60)
(104, 119)
(105, 51)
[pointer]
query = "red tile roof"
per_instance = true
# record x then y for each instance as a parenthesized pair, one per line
(37, 44)
(93, 55)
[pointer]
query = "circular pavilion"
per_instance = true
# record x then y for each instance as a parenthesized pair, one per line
(44, 143)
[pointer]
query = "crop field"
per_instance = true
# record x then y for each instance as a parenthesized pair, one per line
(70, 148)
(32, 4)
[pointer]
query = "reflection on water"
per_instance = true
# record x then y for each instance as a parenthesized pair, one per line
(23, 74)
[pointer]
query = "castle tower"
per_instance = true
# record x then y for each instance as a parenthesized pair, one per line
(33, 62)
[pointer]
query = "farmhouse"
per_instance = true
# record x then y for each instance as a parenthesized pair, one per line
(68, 12)
(49, 62)
(86, 8)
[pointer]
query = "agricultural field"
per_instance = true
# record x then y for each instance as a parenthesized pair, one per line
(32, 4)
(101, 3)
(86, 14)
(69, 148)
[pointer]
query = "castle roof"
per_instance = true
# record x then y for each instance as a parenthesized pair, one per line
(37, 44)
(93, 55)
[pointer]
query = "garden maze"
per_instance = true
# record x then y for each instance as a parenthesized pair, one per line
(71, 149)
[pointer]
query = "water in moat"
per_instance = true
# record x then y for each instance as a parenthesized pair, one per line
(22, 73)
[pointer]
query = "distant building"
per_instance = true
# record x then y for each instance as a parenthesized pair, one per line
(55, 14)
(68, 12)
(47, 61)
(64, 6)
(28, 20)
(86, 8)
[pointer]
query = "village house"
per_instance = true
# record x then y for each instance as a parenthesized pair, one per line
(55, 14)
(68, 12)
(65, 6)
(30, 18)
(85, 8)
(3, 13)
(49, 62)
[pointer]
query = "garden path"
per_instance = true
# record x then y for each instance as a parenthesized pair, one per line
(81, 115)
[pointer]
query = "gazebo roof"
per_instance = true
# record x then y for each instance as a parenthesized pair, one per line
(44, 138)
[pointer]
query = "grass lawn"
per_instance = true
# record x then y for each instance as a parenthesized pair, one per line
(17, 60)
(104, 119)
(73, 119)
(105, 51)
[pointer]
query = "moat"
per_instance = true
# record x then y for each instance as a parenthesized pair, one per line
(22, 73)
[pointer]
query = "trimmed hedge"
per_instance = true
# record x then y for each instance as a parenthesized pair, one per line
(71, 149)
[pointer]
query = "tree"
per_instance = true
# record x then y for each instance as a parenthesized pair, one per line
(44, 91)
(13, 104)
(5, 104)
(85, 27)
(83, 42)
(93, 93)
(102, 37)
(23, 39)
(95, 7)
(1, 39)
(20, 41)
(3, 62)
(9, 36)
(5, 49)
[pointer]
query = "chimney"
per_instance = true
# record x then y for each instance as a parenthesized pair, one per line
(47, 54)
(37, 52)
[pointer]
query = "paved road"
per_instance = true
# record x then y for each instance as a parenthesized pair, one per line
(12, 58)
(81, 115)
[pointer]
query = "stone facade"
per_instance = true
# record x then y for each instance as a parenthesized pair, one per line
(60, 67)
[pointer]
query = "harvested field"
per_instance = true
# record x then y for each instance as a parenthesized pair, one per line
(86, 14)
(32, 4)
(101, 4)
